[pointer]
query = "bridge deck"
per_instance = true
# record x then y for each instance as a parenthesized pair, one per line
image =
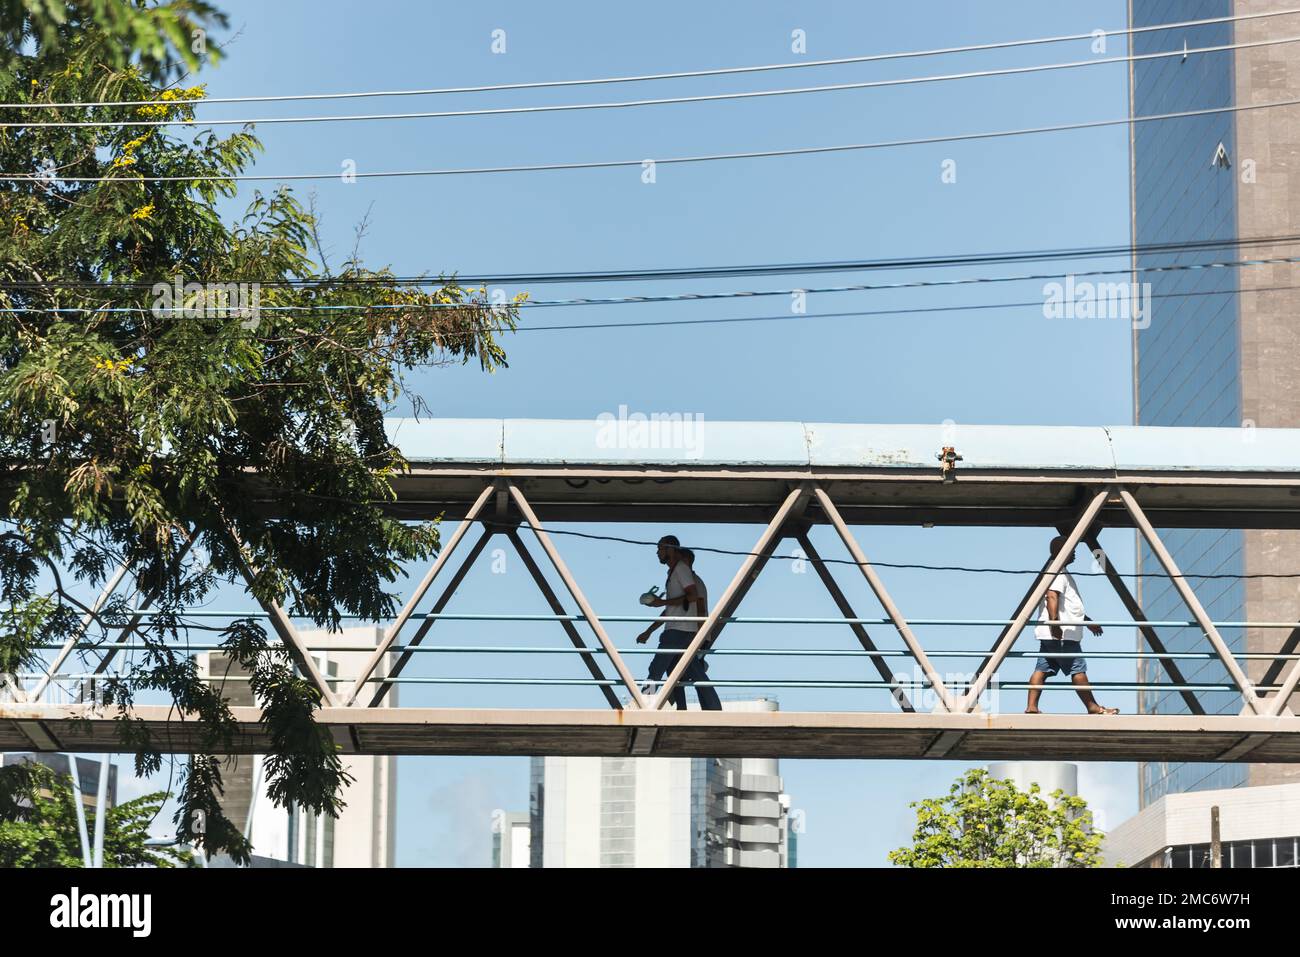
(599, 470)
(976, 738)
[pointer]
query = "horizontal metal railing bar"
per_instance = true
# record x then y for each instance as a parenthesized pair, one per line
(726, 683)
(763, 620)
(737, 652)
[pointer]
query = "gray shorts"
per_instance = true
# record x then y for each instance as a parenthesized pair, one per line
(1061, 656)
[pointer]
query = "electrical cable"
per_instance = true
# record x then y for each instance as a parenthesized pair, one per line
(713, 272)
(626, 104)
(687, 74)
(695, 296)
(622, 164)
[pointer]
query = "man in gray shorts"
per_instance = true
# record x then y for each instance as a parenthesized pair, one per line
(1058, 645)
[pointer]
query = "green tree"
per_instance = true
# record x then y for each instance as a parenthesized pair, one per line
(984, 822)
(160, 38)
(46, 834)
(188, 438)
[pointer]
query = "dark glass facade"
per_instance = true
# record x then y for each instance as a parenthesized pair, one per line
(536, 810)
(1269, 852)
(1187, 360)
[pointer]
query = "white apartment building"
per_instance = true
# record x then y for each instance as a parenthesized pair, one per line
(660, 812)
(364, 834)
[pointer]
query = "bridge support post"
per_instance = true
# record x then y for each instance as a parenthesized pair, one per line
(146, 598)
(105, 594)
(1030, 602)
(846, 609)
(589, 658)
(293, 642)
(567, 577)
(1139, 617)
(794, 503)
(1278, 706)
(1278, 666)
(1252, 702)
(887, 602)
(444, 555)
(404, 659)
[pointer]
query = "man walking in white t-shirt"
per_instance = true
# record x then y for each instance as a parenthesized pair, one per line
(683, 598)
(1058, 645)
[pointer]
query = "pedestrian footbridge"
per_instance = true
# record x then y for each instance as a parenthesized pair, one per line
(513, 482)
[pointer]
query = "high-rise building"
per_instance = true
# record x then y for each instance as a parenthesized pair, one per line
(510, 839)
(1050, 776)
(1220, 346)
(1258, 827)
(364, 834)
(661, 812)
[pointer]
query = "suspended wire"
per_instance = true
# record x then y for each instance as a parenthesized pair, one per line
(661, 101)
(851, 314)
(687, 74)
(739, 553)
(899, 565)
(641, 163)
(696, 296)
(708, 272)
(786, 316)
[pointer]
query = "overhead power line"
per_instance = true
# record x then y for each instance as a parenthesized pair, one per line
(686, 74)
(660, 101)
(860, 314)
(713, 272)
(853, 314)
(702, 296)
(674, 160)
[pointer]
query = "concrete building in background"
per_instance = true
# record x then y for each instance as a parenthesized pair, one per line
(1220, 347)
(510, 839)
(661, 812)
(1258, 827)
(88, 768)
(364, 834)
(1048, 775)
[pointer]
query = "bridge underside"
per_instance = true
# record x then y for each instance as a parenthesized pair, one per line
(977, 738)
(865, 497)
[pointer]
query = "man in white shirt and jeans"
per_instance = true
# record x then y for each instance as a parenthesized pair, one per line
(1058, 645)
(683, 597)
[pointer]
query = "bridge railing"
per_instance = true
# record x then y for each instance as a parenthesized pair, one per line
(502, 509)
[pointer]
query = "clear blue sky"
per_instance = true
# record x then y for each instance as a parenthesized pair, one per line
(1006, 365)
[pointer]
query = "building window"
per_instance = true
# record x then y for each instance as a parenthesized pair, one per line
(1269, 852)
(1286, 853)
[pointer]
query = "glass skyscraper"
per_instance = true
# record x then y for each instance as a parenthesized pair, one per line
(1214, 351)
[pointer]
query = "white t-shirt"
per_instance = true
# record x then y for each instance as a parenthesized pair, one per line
(679, 579)
(1069, 607)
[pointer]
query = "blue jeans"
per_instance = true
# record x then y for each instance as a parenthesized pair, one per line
(697, 670)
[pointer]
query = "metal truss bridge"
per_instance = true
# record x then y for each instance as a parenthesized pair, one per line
(509, 480)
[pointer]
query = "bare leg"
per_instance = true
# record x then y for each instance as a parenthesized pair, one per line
(1036, 681)
(1085, 695)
